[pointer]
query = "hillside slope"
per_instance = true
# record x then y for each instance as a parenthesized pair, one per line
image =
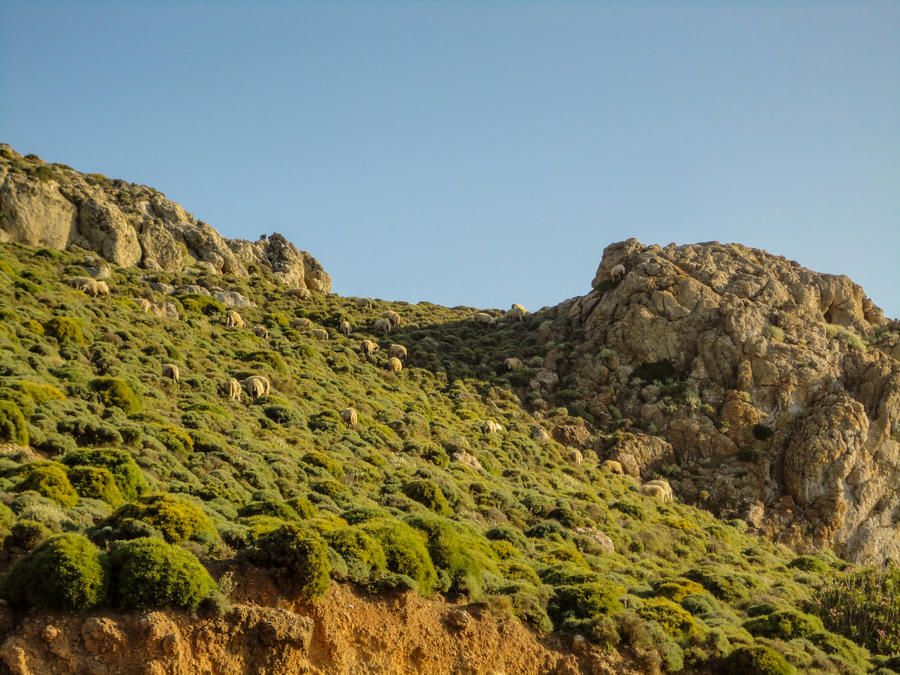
(116, 476)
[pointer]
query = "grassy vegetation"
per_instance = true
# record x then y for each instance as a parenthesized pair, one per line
(145, 476)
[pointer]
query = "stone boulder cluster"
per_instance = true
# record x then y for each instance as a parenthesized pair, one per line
(53, 205)
(762, 390)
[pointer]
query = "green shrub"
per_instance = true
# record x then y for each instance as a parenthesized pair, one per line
(149, 573)
(12, 424)
(95, 482)
(65, 329)
(757, 660)
(863, 605)
(629, 509)
(674, 620)
(427, 493)
(49, 479)
(89, 431)
(40, 393)
(269, 507)
(809, 563)
(26, 534)
(66, 572)
(176, 519)
(584, 601)
(320, 459)
(507, 533)
(678, 589)
(127, 474)
(115, 392)
(201, 304)
(404, 550)
(298, 555)
(361, 551)
(722, 584)
(458, 560)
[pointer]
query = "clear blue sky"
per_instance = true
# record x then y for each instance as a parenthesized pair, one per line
(482, 153)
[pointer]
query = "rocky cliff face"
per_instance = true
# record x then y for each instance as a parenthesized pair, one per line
(53, 205)
(763, 390)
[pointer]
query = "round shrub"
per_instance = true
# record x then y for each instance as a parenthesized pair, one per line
(12, 424)
(65, 572)
(26, 534)
(404, 550)
(320, 459)
(808, 563)
(115, 392)
(50, 480)
(65, 329)
(127, 474)
(361, 551)
(303, 507)
(427, 492)
(149, 573)
(176, 519)
(507, 533)
(298, 554)
(757, 660)
(701, 604)
(455, 558)
(269, 507)
(674, 620)
(785, 624)
(95, 482)
(584, 601)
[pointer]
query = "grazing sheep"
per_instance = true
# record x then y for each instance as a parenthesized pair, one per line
(261, 331)
(170, 370)
(345, 328)
(391, 316)
(145, 305)
(362, 303)
(302, 293)
(576, 457)
(483, 318)
(257, 385)
(399, 351)
(612, 466)
(617, 272)
(302, 322)
(658, 488)
(98, 289)
(515, 313)
(490, 427)
(513, 363)
(349, 417)
(383, 324)
(81, 283)
(234, 389)
(319, 333)
(367, 347)
(394, 364)
(233, 319)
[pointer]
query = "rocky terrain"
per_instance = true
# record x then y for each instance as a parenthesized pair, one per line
(764, 390)
(211, 464)
(53, 205)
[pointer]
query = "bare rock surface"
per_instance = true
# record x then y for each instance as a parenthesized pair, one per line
(771, 391)
(53, 205)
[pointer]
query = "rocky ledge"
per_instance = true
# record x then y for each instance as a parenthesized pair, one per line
(53, 205)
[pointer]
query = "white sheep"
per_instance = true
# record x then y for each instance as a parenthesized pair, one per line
(349, 417)
(98, 289)
(383, 324)
(302, 322)
(490, 427)
(391, 316)
(515, 313)
(367, 347)
(483, 318)
(617, 272)
(233, 319)
(234, 389)
(394, 364)
(171, 370)
(345, 328)
(399, 351)
(319, 333)
(658, 488)
(261, 331)
(302, 293)
(513, 363)
(81, 283)
(257, 385)
(362, 303)
(612, 466)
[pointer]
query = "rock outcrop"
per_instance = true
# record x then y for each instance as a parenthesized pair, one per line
(55, 206)
(767, 391)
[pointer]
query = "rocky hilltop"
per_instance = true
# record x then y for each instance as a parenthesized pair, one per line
(761, 389)
(53, 205)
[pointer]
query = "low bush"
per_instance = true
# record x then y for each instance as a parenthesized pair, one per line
(149, 573)
(127, 474)
(12, 424)
(808, 563)
(115, 392)
(66, 572)
(584, 601)
(175, 518)
(361, 551)
(49, 479)
(674, 620)
(757, 660)
(427, 493)
(298, 555)
(95, 482)
(65, 329)
(404, 550)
